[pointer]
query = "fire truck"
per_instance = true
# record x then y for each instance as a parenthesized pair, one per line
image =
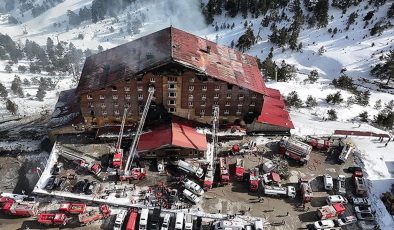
(73, 208)
(223, 167)
(318, 143)
(288, 191)
(82, 160)
(295, 149)
(254, 179)
(94, 215)
(208, 180)
(56, 219)
(239, 169)
(331, 211)
(22, 209)
(305, 190)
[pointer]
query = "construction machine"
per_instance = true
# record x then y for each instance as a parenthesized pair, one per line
(82, 160)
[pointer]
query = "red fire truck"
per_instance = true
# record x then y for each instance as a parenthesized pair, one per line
(331, 211)
(295, 149)
(91, 216)
(239, 169)
(131, 223)
(73, 208)
(57, 219)
(223, 167)
(318, 143)
(253, 179)
(208, 180)
(14, 208)
(305, 189)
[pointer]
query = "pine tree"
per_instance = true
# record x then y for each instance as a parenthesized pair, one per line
(246, 40)
(50, 50)
(11, 107)
(293, 100)
(100, 49)
(3, 91)
(16, 86)
(378, 104)
(332, 115)
(334, 98)
(22, 68)
(385, 71)
(363, 116)
(321, 13)
(40, 94)
(26, 82)
(8, 68)
(390, 12)
(310, 102)
(312, 77)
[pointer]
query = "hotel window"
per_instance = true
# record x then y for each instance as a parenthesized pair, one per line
(116, 112)
(217, 87)
(172, 110)
(238, 112)
(227, 103)
(190, 103)
(191, 97)
(191, 79)
(104, 112)
(171, 79)
(115, 97)
(216, 96)
(171, 102)
(203, 96)
(215, 103)
(191, 88)
(172, 94)
(139, 88)
(89, 97)
(252, 103)
(140, 96)
(114, 88)
(103, 105)
(202, 112)
(203, 104)
(228, 96)
(116, 104)
(226, 112)
(241, 96)
(128, 96)
(90, 104)
(254, 95)
(127, 105)
(117, 117)
(152, 79)
(127, 89)
(102, 97)
(171, 86)
(204, 88)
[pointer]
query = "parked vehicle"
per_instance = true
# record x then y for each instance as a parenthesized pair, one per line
(346, 151)
(295, 149)
(191, 196)
(56, 168)
(79, 187)
(254, 179)
(166, 222)
(354, 168)
(143, 223)
(56, 219)
(268, 165)
(324, 224)
(173, 197)
(358, 201)
(228, 225)
(288, 191)
(73, 208)
(259, 225)
(359, 185)
(318, 143)
(341, 185)
(328, 182)
(331, 211)
(188, 222)
(193, 187)
(346, 220)
(223, 171)
(52, 182)
(188, 168)
(362, 209)
(305, 189)
(239, 169)
(365, 216)
(208, 180)
(198, 225)
(94, 215)
(13, 208)
(333, 199)
(120, 217)
(131, 223)
(179, 221)
(155, 219)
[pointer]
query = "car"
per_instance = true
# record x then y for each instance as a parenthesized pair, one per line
(328, 182)
(354, 168)
(365, 216)
(341, 186)
(346, 220)
(324, 224)
(362, 209)
(333, 199)
(173, 196)
(358, 201)
(166, 222)
(52, 183)
(191, 196)
(193, 187)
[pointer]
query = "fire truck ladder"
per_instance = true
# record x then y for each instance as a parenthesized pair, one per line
(75, 156)
(119, 142)
(214, 134)
(133, 148)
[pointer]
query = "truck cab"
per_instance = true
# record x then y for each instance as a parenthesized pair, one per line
(179, 221)
(328, 182)
(120, 219)
(144, 219)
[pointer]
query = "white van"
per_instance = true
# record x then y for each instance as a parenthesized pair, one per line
(334, 199)
(179, 221)
(258, 225)
(166, 222)
(188, 222)
(144, 219)
(120, 219)
(328, 182)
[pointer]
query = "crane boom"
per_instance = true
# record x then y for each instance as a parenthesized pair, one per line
(133, 147)
(214, 131)
(119, 142)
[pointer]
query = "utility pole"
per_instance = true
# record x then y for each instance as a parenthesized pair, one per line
(276, 72)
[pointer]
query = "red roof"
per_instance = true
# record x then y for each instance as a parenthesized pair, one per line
(339, 207)
(274, 110)
(170, 45)
(173, 135)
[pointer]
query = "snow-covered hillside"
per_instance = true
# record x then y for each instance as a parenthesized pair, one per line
(354, 49)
